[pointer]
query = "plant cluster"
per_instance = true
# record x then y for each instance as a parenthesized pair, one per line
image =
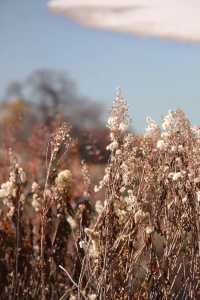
(135, 235)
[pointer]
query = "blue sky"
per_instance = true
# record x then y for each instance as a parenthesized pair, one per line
(155, 75)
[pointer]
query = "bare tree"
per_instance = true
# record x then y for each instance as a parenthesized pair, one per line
(53, 93)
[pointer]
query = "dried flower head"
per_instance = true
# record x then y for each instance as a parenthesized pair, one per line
(63, 181)
(118, 120)
(152, 130)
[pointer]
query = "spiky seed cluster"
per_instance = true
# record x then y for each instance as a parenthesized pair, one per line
(152, 130)
(8, 190)
(59, 142)
(118, 120)
(118, 123)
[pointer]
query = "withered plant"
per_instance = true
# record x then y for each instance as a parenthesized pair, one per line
(61, 239)
(144, 243)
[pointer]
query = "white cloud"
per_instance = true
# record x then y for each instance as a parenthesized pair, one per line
(177, 19)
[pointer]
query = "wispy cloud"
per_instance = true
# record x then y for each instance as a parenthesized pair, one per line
(177, 19)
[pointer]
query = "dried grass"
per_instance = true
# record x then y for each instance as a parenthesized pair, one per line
(141, 241)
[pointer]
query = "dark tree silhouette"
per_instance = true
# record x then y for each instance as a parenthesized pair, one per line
(53, 93)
